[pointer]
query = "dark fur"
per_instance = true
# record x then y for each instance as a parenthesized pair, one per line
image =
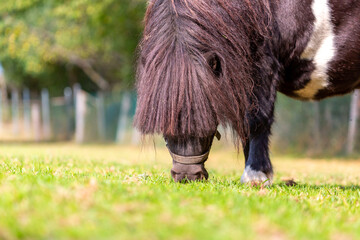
(179, 93)
(208, 62)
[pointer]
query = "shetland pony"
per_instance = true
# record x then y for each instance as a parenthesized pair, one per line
(203, 63)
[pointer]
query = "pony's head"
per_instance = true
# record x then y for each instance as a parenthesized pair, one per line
(195, 72)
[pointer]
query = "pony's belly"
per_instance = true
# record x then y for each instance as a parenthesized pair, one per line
(320, 51)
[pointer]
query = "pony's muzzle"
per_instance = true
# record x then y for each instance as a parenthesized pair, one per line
(189, 172)
(189, 168)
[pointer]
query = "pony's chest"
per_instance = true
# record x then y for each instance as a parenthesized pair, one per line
(319, 52)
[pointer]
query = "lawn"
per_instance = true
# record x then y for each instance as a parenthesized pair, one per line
(65, 191)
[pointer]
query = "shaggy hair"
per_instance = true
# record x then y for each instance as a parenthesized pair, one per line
(195, 65)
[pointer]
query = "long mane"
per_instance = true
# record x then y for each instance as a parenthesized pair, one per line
(179, 93)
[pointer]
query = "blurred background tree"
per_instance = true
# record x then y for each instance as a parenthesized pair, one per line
(55, 43)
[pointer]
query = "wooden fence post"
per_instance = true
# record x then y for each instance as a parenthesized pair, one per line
(354, 112)
(317, 131)
(76, 88)
(68, 109)
(100, 112)
(80, 110)
(123, 117)
(15, 111)
(45, 107)
(36, 121)
(26, 112)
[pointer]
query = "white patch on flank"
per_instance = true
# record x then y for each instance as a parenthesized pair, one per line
(320, 49)
(252, 176)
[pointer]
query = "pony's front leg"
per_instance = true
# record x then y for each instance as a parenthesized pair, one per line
(258, 168)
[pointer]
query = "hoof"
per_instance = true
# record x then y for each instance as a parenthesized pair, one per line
(254, 177)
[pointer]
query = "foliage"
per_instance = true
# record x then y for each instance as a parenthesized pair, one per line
(40, 37)
(111, 192)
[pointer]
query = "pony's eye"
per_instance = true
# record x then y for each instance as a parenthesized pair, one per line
(215, 65)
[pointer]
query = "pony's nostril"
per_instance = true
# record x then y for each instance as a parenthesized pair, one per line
(200, 176)
(186, 173)
(173, 174)
(178, 177)
(182, 177)
(203, 175)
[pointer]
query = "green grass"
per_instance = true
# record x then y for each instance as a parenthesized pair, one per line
(52, 191)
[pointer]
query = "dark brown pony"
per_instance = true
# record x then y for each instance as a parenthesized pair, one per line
(208, 62)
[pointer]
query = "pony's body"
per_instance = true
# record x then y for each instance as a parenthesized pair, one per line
(210, 62)
(325, 59)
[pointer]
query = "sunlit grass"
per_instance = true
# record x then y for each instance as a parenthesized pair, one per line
(67, 191)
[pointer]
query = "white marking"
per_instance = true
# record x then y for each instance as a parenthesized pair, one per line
(252, 176)
(320, 49)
